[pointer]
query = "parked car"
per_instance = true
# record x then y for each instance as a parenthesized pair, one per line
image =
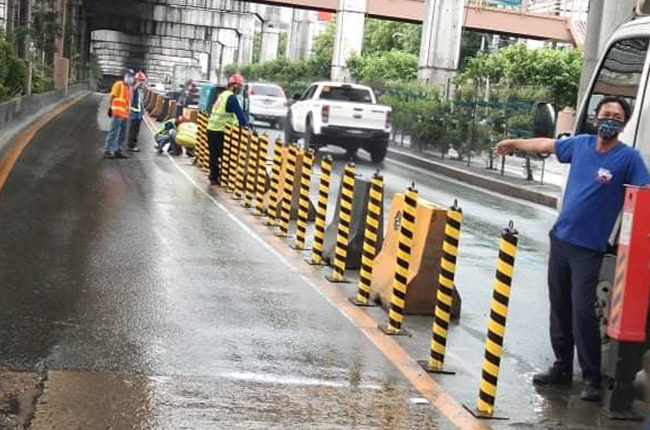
(158, 87)
(266, 102)
(346, 115)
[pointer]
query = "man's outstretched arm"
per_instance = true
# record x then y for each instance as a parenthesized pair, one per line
(539, 145)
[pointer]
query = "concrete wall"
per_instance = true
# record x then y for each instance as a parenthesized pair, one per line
(19, 109)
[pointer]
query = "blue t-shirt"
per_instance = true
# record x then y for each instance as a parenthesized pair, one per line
(595, 190)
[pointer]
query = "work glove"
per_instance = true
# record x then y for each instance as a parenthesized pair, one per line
(110, 113)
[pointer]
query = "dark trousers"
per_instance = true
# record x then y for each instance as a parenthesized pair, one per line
(572, 280)
(215, 142)
(134, 131)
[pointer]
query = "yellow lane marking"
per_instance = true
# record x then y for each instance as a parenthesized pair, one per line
(388, 346)
(25, 136)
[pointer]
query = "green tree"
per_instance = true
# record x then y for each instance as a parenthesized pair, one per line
(386, 66)
(384, 36)
(13, 71)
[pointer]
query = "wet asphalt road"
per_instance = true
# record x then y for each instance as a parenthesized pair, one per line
(151, 309)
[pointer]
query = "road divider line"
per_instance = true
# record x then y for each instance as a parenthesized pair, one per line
(388, 346)
(26, 135)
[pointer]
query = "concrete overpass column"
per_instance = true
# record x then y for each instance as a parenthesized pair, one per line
(441, 41)
(270, 42)
(348, 39)
(247, 36)
(299, 36)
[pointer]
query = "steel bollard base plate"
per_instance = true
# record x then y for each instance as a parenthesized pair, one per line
(299, 248)
(335, 280)
(392, 332)
(283, 235)
(367, 304)
(425, 366)
(484, 416)
(313, 263)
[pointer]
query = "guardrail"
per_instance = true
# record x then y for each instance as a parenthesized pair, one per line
(18, 108)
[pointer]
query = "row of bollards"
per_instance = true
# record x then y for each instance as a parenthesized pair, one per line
(244, 174)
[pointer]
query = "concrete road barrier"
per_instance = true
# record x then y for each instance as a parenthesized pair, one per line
(158, 106)
(424, 266)
(357, 228)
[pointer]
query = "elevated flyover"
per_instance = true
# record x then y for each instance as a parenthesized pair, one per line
(516, 21)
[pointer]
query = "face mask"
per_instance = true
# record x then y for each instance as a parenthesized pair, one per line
(609, 128)
(129, 80)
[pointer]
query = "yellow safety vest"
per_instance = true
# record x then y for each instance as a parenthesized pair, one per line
(186, 134)
(120, 104)
(219, 117)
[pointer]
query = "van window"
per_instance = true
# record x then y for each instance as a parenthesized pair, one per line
(619, 75)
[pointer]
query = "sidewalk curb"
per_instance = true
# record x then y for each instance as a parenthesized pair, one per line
(474, 179)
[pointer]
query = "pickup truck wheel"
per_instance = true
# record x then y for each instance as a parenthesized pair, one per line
(310, 139)
(378, 151)
(289, 135)
(351, 151)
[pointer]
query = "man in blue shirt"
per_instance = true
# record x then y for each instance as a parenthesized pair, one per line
(593, 198)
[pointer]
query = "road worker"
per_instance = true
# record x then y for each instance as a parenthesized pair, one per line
(137, 111)
(166, 135)
(600, 167)
(226, 110)
(118, 112)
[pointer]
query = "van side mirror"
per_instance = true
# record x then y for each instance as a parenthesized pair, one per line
(544, 122)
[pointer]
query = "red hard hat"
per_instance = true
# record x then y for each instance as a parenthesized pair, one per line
(236, 79)
(181, 119)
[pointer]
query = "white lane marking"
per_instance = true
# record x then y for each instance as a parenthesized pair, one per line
(473, 187)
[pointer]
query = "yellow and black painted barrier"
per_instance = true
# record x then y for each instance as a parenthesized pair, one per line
(241, 165)
(371, 240)
(303, 204)
(445, 294)
(261, 176)
(398, 298)
(251, 169)
(274, 189)
(287, 195)
(321, 212)
(202, 140)
(234, 158)
(497, 324)
(345, 218)
(225, 157)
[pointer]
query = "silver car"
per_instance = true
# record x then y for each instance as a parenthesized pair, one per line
(267, 103)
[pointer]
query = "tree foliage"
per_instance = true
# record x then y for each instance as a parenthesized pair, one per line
(13, 71)
(557, 70)
(382, 36)
(388, 66)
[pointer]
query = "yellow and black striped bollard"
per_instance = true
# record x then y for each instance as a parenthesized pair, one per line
(303, 204)
(287, 195)
(406, 235)
(274, 194)
(261, 176)
(225, 157)
(234, 158)
(370, 239)
(343, 231)
(198, 147)
(202, 137)
(321, 212)
(241, 165)
(497, 324)
(445, 295)
(251, 170)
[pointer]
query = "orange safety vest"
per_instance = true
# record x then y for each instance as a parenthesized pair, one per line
(120, 105)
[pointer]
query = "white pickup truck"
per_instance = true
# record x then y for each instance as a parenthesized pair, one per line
(341, 114)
